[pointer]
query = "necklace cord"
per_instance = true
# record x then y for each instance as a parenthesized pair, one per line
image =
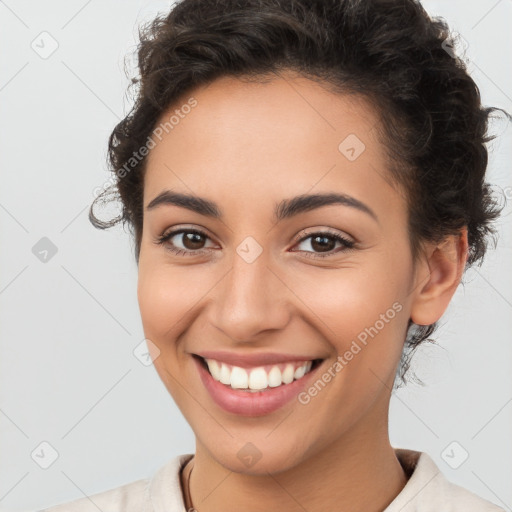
(189, 506)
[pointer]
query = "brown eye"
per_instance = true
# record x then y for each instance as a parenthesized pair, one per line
(192, 240)
(184, 241)
(324, 243)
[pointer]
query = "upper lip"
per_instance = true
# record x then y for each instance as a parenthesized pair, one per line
(251, 360)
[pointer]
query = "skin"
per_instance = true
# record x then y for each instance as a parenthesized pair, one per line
(247, 147)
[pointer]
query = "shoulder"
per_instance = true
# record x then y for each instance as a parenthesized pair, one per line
(428, 490)
(465, 500)
(144, 495)
(129, 497)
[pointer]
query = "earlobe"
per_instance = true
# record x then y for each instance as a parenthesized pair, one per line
(437, 278)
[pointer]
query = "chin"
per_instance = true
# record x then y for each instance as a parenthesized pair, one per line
(252, 460)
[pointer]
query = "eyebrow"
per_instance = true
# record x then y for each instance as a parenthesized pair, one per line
(286, 209)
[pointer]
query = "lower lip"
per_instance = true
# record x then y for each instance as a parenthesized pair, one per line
(246, 403)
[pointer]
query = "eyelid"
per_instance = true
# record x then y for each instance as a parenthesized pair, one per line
(175, 230)
(347, 242)
(164, 238)
(307, 232)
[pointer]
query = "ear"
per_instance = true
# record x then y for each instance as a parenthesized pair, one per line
(437, 277)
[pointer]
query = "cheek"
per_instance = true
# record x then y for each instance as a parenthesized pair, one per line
(157, 302)
(163, 300)
(170, 298)
(360, 306)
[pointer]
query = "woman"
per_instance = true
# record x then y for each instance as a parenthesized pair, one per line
(305, 182)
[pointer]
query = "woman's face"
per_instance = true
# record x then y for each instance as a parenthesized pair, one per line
(267, 275)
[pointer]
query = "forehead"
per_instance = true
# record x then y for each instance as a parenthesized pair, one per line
(282, 137)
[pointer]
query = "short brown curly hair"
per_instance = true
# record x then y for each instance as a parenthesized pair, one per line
(391, 52)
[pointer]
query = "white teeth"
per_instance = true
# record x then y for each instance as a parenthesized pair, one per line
(256, 378)
(239, 378)
(299, 372)
(214, 368)
(225, 374)
(274, 377)
(288, 374)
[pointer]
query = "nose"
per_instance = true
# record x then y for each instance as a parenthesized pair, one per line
(250, 300)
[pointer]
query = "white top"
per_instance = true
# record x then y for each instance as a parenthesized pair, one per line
(427, 490)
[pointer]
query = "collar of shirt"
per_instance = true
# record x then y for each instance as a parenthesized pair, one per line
(427, 489)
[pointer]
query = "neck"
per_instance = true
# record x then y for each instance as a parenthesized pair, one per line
(358, 472)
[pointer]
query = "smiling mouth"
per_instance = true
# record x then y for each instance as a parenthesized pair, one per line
(257, 378)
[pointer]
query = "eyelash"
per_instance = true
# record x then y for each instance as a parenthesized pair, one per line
(162, 240)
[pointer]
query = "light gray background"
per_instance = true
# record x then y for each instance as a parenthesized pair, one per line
(69, 326)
